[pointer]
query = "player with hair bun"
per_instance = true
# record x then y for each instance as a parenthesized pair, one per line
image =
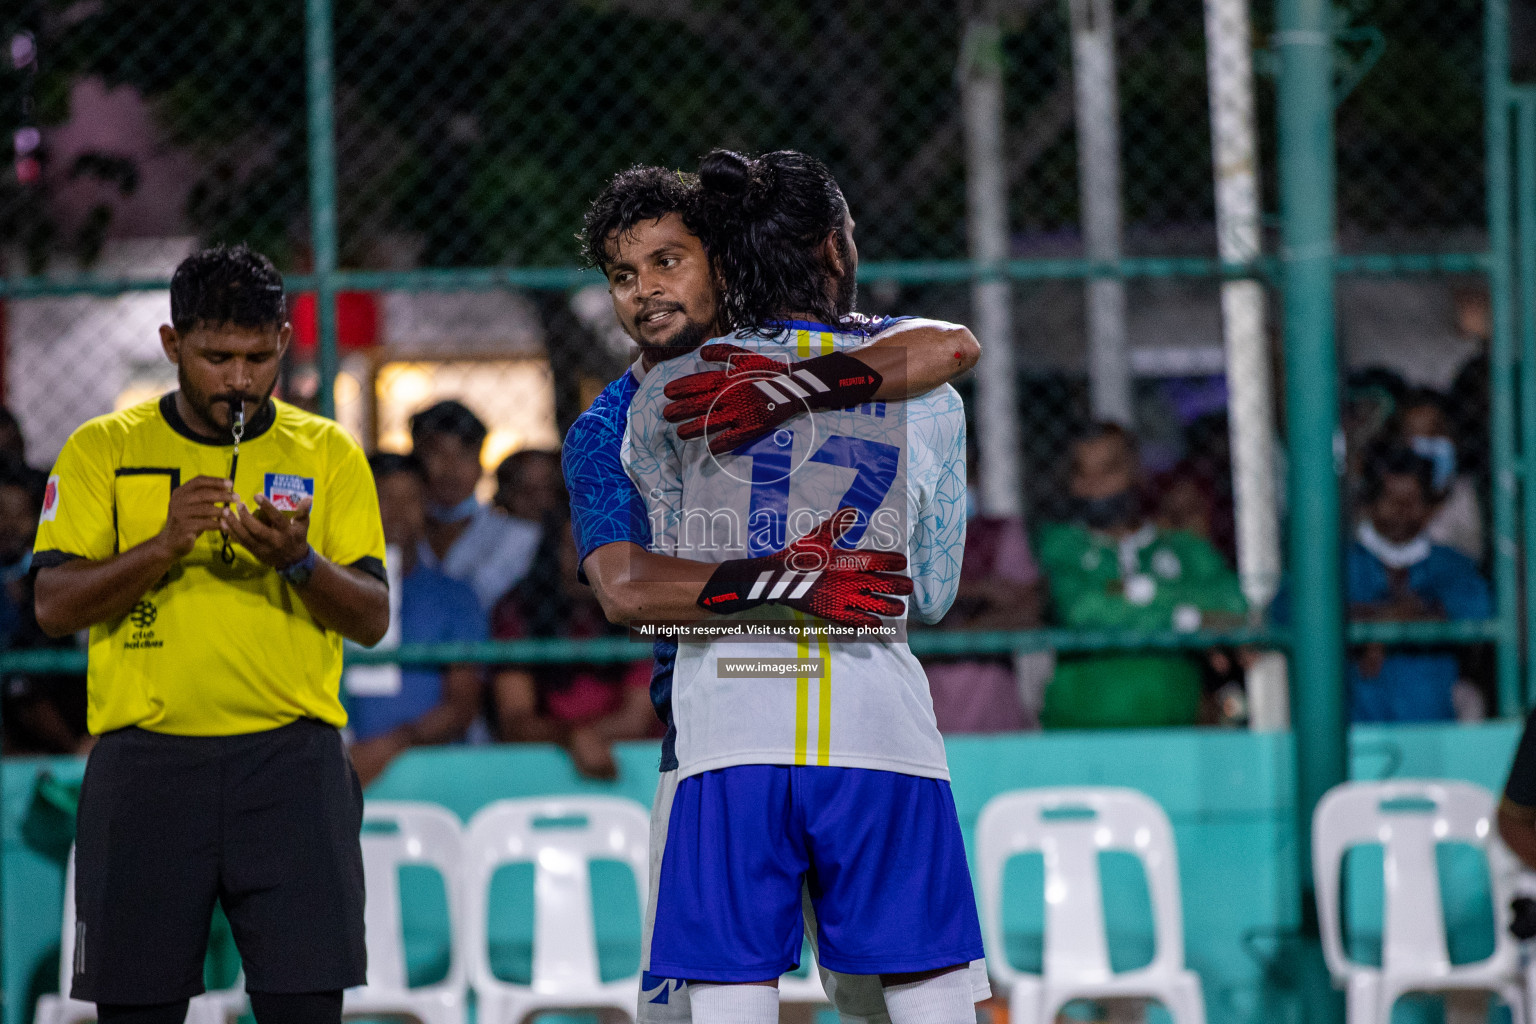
(833, 784)
(641, 232)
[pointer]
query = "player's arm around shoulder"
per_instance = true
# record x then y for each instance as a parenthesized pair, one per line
(636, 585)
(914, 356)
(609, 517)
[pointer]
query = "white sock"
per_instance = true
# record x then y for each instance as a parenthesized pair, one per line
(734, 1004)
(946, 999)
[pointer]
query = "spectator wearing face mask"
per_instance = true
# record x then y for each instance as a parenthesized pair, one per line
(475, 543)
(1397, 573)
(1425, 427)
(1113, 568)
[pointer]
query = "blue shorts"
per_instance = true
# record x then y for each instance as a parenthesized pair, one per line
(880, 854)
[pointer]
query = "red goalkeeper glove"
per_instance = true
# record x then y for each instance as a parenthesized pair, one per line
(755, 393)
(812, 576)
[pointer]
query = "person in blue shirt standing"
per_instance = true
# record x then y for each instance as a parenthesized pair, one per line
(396, 707)
(1396, 573)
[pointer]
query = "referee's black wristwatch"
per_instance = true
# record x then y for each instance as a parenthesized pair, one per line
(299, 572)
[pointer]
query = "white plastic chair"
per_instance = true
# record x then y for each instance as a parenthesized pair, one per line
(216, 1007)
(423, 834)
(565, 967)
(1076, 964)
(1414, 955)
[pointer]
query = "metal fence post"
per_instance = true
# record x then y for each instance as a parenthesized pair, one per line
(1306, 171)
(1501, 381)
(1110, 388)
(986, 198)
(319, 85)
(1512, 698)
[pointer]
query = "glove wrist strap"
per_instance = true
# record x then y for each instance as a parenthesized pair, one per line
(744, 583)
(834, 381)
(729, 585)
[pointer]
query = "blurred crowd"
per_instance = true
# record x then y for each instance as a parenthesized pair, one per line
(1127, 549)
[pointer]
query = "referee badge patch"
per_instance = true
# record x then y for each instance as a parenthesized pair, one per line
(287, 491)
(50, 500)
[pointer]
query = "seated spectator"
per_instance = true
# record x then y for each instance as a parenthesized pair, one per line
(394, 707)
(1397, 573)
(469, 541)
(530, 487)
(585, 708)
(44, 712)
(1424, 425)
(1000, 588)
(1112, 568)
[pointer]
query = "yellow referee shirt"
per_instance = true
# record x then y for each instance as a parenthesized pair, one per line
(213, 649)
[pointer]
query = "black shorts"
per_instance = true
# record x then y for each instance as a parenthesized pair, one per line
(266, 823)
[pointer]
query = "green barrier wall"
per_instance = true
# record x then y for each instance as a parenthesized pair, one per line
(1229, 796)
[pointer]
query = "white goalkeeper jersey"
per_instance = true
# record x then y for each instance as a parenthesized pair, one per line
(902, 465)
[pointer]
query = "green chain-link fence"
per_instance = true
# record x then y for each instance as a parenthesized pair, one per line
(469, 136)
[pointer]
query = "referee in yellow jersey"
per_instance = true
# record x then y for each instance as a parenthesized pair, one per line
(219, 545)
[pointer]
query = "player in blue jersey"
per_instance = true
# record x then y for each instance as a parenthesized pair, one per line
(665, 297)
(833, 785)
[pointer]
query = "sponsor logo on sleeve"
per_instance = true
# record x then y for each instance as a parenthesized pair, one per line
(286, 491)
(50, 500)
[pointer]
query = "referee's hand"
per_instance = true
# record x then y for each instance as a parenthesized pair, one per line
(271, 535)
(196, 507)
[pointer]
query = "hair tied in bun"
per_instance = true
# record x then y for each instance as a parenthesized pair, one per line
(746, 180)
(726, 172)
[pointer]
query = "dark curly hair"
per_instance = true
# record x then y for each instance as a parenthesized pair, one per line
(227, 286)
(764, 221)
(634, 196)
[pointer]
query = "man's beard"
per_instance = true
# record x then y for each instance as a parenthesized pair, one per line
(688, 338)
(203, 404)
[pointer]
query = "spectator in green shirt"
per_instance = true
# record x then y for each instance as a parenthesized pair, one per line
(1112, 568)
